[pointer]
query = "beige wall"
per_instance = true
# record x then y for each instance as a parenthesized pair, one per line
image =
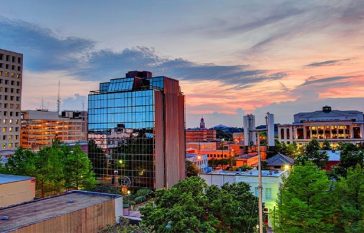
(88, 220)
(16, 192)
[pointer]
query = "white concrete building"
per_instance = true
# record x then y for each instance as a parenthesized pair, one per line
(201, 161)
(332, 125)
(271, 182)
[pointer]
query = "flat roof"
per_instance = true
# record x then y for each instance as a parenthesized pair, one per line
(253, 172)
(4, 178)
(26, 214)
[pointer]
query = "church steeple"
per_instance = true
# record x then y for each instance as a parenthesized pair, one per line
(202, 123)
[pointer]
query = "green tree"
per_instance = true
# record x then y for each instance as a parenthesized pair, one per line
(326, 145)
(351, 156)
(23, 162)
(192, 206)
(191, 169)
(125, 227)
(305, 202)
(312, 152)
(350, 202)
(53, 167)
(78, 169)
(290, 150)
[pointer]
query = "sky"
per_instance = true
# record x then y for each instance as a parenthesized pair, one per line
(231, 57)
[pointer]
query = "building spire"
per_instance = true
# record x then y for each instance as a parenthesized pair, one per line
(202, 123)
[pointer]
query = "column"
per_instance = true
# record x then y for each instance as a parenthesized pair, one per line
(290, 134)
(304, 132)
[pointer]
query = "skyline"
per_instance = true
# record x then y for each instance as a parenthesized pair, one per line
(232, 59)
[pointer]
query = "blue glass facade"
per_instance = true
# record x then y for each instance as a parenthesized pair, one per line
(122, 130)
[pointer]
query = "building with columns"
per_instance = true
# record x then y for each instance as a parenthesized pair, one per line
(326, 125)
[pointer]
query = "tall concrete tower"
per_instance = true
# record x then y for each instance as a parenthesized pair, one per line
(249, 124)
(270, 129)
(11, 70)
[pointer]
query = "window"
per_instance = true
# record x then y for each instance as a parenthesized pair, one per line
(1, 56)
(7, 57)
(268, 193)
(256, 191)
(19, 60)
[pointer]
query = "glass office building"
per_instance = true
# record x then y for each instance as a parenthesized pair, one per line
(136, 131)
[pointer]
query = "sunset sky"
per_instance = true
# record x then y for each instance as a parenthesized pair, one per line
(232, 57)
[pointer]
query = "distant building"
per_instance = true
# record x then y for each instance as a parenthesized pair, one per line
(11, 69)
(250, 137)
(271, 180)
(334, 157)
(326, 125)
(200, 134)
(238, 138)
(202, 124)
(16, 189)
(72, 212)
(136, 129)
(200, 161)
(201, 146)
(39, 128)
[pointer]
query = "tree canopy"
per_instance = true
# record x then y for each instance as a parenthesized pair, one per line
(312, 152)
(305, 203)
(55, 168)
(192, 206)
(191, 169)
(310, 202)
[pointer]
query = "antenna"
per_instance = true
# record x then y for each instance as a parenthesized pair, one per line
(42, 106)
(59, 97)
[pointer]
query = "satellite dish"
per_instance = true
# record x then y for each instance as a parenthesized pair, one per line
(125, 181)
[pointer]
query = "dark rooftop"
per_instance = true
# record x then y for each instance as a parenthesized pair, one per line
(39, 210)
(279, 160)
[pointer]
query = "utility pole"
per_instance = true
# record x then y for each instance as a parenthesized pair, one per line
(260, 183)
(260, 187)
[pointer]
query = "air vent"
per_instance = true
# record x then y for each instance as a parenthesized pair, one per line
(70, 201)
(4, 217)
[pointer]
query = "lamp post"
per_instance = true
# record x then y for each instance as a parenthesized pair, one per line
(222, 148)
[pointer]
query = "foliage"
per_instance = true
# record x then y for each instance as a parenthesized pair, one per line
(350, 202)
(290, 150)
(56, 168)
(125, 227)
(305, 203)
(106, 189)
(351, 156)
(191, 169)
(312, 152)
(244, 168)
(221, 162)
(192, 206)
(326, 145)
